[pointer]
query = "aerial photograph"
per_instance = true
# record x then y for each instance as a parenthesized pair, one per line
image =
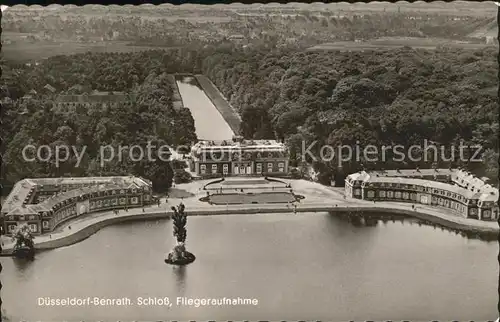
(250, 162)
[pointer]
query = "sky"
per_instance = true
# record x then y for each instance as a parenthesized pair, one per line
(2, 7)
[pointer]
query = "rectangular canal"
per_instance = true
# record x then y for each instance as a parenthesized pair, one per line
(209, 122)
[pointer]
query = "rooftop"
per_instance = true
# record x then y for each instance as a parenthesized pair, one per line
(50, 88)
(24, 190)
(94, 97)
(420, 182)
(55, 199)
(246, 144)
(469, 181)
(416, 172)
(466, 184)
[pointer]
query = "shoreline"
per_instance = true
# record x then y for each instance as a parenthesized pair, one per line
(92, 225)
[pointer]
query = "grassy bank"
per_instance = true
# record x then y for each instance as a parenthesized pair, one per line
(177, 98)
(228, 113)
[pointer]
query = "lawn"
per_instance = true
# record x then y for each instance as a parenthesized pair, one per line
(397, 42)
(252, 198)
(23, 51)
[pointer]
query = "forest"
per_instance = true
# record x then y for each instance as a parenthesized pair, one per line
(396, 97)
(401, 96)
(33, 119)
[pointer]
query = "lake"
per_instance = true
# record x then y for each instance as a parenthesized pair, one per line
(298, 266)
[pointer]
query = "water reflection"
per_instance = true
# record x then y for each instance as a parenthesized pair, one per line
(180, 277)
(21, 263)
(24, 268)
(191, 80)
(360, 220)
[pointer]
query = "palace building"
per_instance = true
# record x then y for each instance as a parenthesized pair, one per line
(454, 189)
(238, 157)
(44, 203)
(110, 99)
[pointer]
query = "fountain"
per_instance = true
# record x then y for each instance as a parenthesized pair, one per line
(179, 255)
(24, 247)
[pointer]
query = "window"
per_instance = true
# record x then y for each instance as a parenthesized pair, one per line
(135, 200)
(45, 224)
(214, 168)
(122, 201)
(203, 168)
(259, 167)
(225, 169)
(270, 166)
(12, 228)
(398, 194)
(381, 193)
(371, 194)
(33, 227)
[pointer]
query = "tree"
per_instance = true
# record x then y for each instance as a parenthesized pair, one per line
(181, 176)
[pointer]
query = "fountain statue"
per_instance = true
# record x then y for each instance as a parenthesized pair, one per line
(179, 255)
(24, 247)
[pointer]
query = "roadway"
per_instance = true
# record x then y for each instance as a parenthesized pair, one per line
(80, 228)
